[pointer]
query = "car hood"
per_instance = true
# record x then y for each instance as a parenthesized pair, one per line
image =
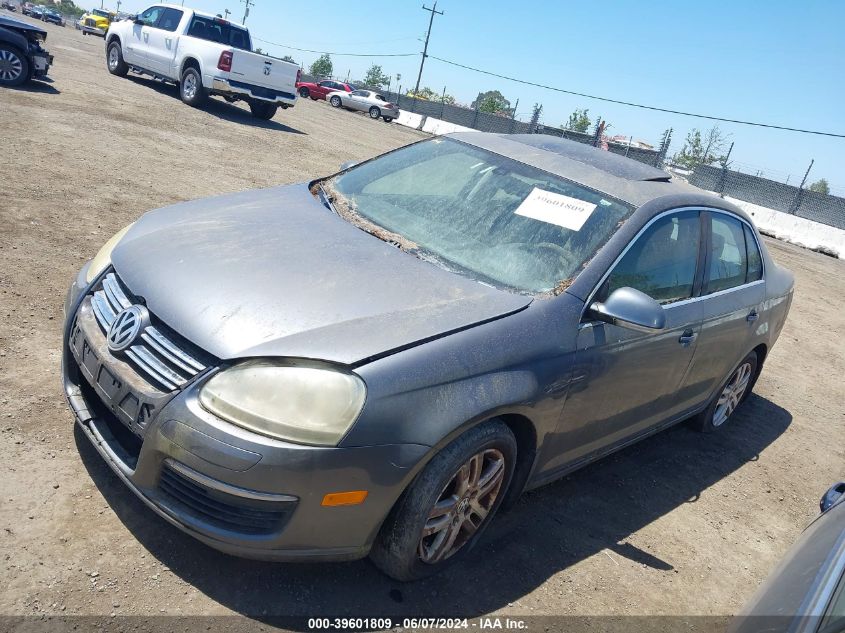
(273, 272)
(20, 25)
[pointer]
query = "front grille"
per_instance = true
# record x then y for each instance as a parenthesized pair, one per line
(90, 22)
(222, 510)
(160, 356)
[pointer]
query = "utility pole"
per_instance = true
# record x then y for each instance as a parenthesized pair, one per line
(800, 193)
(118, 6)
(433, 11)
(247, 5)
(226, 14)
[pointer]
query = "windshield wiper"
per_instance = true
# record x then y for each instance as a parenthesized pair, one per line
(325, 199)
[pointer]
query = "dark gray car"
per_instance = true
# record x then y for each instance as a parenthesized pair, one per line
(376, 362)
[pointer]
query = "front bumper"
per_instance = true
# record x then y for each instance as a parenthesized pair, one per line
(234, 490)
(93, 30)
(227, 87)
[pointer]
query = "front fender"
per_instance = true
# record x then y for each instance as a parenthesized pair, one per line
(15, 39)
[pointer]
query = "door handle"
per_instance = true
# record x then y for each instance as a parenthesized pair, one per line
(687, 338)
(752, 316)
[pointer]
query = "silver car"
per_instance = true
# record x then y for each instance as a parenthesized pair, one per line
(375, 362)
(365, 101)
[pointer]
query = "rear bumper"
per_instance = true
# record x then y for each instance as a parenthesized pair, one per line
(229, 87)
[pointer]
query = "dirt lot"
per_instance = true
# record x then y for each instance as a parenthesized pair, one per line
(680, 524)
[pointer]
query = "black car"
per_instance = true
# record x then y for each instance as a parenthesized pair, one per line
(10, 6)
(37, 12)
(51, 15)
(22, 56)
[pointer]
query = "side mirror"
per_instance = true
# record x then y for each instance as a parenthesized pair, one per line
(348, 164)
(832, 496)
(137, 20)
(630, 308)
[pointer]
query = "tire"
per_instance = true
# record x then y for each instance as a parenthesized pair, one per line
(401, 551)
(114, 60)
(191, 89)
(731, 393)
(336, 102)
(375, 113)
(388, 119)
(262, 110)
(14, 66)
(304, 93)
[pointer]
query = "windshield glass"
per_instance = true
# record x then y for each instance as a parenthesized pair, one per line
(481, 214)
(101, 13)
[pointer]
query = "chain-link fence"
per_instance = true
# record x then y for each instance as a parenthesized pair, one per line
(799, 201)
(651, 154)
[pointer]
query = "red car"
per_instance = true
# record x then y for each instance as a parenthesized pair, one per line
(320, 89)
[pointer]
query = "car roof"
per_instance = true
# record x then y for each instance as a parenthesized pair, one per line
(617, 176)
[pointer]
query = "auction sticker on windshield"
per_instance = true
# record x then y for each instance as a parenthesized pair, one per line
(554, 208)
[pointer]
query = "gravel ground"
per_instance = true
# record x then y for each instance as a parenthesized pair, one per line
(679, 524)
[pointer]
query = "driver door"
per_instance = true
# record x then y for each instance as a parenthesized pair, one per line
(136, 49)
(626, 382)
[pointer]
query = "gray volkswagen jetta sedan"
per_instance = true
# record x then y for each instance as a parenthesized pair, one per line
(376, 362)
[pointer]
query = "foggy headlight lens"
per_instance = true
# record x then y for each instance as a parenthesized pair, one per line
(291, 400)
(102, 259)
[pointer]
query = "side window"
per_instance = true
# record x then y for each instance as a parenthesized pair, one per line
(151, 16)
(662, 262)
(359, 93)
(325, 84)
(755, 259)
(170, 19)
(728, 260)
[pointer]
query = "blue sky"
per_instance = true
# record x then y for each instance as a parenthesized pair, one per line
(774, 62)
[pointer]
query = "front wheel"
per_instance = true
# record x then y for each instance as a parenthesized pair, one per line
(191, 89)
(114, 60)
(375, 112)
(263, 110)
(335, 101)
(730, 395)
(448, 506)
(388, 119)
(14, 66)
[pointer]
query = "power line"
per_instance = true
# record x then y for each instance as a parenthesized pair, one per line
(638, 105)
(309, 50)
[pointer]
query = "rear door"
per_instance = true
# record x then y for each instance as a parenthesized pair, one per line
(162, 42)
(626, 381)
(732, 298)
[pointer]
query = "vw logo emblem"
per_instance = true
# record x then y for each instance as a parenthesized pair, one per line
(126, 327)
(267, 69)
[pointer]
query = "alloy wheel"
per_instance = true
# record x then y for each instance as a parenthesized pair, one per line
(189, 86)
(113, 58)
(11, 66)
(732, 394)
(462, 506)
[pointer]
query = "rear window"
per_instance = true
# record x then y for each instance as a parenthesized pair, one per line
(220, 31)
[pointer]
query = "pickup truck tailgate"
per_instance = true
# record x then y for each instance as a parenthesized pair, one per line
(260, 70)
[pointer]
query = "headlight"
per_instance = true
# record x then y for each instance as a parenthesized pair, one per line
(291, 400)
(103, 257)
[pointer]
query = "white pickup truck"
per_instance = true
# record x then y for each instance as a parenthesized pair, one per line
(204, 54)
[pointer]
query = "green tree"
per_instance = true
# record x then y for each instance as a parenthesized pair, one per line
(493, 102)
(820, 186)
(259, 51)
(375, 77)
(323, 66)
(702, 149)
(579, 121)
(288, 58)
